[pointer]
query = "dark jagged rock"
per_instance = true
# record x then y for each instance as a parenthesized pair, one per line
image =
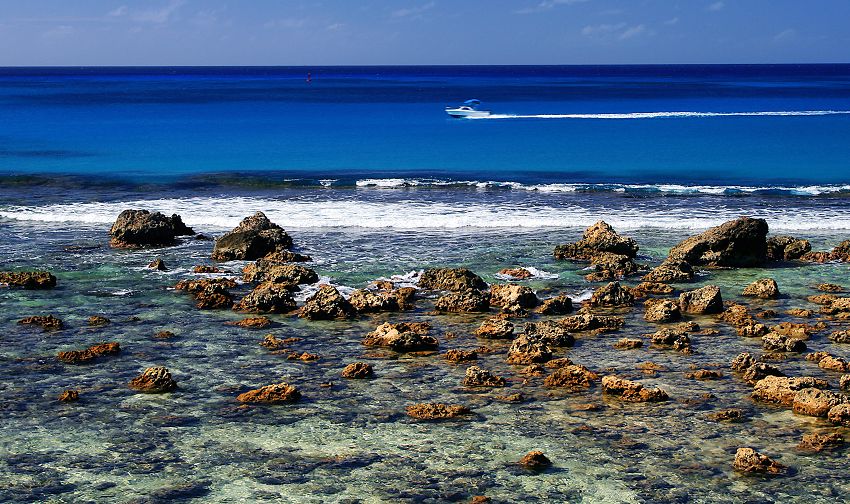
(512, 298)
(436, 411)
(704, 300)
(528, 349)
(612, 295)
(496, 328)
(597, 239)
(670, 271)
(89, 354)
(477, 377)
(327, 304)
(69, 395)
(786, 248)
(157, 265)
(737, 243)
(607, 266)
(402, 337)
(631, 391)
(268, 297)
(750, 461)
(535, 461)
(558, 305)
(254, 238)
(550, 333)
(661, 310)
(572, 376)
(276, 393)
(764, 288)
(451, 279)
(358, 370)
(468, 301)
(28, 279)
(154, 380)
(141, 228)
(46, 322)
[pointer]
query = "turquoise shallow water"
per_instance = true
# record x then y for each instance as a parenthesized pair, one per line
(351, 442)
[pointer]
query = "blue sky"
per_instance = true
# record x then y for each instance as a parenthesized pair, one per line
(333, 32)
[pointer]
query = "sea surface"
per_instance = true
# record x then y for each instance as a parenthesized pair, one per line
(371, 178)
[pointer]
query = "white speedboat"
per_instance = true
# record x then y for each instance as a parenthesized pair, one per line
(469, 109)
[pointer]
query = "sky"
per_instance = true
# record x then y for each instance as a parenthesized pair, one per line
(421, 32)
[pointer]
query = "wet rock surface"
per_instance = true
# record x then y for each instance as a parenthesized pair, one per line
(467, 301)
(478, 377)
(661, 310)
(496, 328)
(512, 298)
(631, 391)
(254, 238)
(46, 322)
(749, 461)
(535, 461)
(702, 301)
(612, 295)
(738, 243)
(268, 297)
(89, 354)
(141, 228)
(277, 393)
(402, 337)
(153, 380)
(764, 288)
(327, 304)
(451, 279)
(358, 370)
(28, 279)
(558, 305)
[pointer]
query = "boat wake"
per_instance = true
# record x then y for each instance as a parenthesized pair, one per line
(666, 115)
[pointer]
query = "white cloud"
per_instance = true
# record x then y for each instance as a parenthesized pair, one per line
(601, 29)
(716, 6)
(633, 31)
(160, 15)
(120, 11)
(413, 11)
(545, 5)
(334, 26)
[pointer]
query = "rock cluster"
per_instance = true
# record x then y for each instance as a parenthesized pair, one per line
(610, 254)
(28, 279)
(209, 293)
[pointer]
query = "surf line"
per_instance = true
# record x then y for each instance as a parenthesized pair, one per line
(665, 115)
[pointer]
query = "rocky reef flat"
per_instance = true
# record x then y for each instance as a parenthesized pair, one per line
(150, 362)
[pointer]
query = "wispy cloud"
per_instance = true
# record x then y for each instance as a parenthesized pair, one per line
(672, 21)
(60, 31)
(601, 29)
(633, 31)
(622, 31)
(413, 11)
(334, 26)
(546, 5)
(158, 15)
(785, 35)
(716, 6)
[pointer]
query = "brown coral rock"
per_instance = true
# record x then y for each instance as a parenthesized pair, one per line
(630, 391)
(89, 354)
(436, 411)
(477, 377)
(277, 393)
(750, 461)
(153, 380)
(535, 460)
(357, 370)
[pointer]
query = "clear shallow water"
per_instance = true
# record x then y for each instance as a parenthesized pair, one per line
(352, 440)
(371, 179)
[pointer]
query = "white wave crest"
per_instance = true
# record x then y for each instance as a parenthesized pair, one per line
(666, 115)
(535, 273)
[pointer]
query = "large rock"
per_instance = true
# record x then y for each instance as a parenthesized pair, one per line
(597, 239)
(28, 279)
(781, 390)
(661, 310)
(326, 304)
(154, 380)
(268, 297)
(737, 243)
(631, 391)
(402, 337)
(750, 461)
(496, 328)
(816, 402)
(764, 288)
(281, 273)
(141, 228)
(528, 349)
(670, 271)
(512, 297)
(254, 238)
(786, 248)
(277, 393)
(451, 279)
(367, 301)
(467, 301)
(612, 295)
(701, 301)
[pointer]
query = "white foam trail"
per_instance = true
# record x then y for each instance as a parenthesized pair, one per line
(665, 115)
(535, 274)
(212, 214)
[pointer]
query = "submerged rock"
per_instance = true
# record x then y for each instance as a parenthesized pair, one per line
(205, 268)
(157, 265)
(597, 239)
(98, 321)
(89, 354)
(631, 391)
(661, 310)
(402, 337)
(750, 461)
(817, 443)
(327, 304)
(585, 320)
(69, 395)
(670, 271)
(477, 377)
(277, 393)
(535, 461)
(455, 355)
(612, 295)
(737, 243)
(451, 279)
(704, 374)
(254, 238)
(28, 279)
(267, 297)
(436, 411)
(512, 298)
(764, 288)
(704, 300)
(468, 301)
(829, 287)
(358, 370)
(252, 322)
(558, 305)
(141, 228)
(496, 328)
(628, 344)
(727, 415)
(786, 248)
(516, 273)
(153, 380)
(46, 322)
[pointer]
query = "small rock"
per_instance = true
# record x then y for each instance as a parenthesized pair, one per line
(153, 380)
(550, 333)
(326, 304)
(357, 370)
(840, 414)
(558, 305)
(477, 377)
(277, 393)
(628, 344)
(516, 273)
(512, 298)
(815, 402)
(612, 295)
(702, 301)
(402, 337)
(817, 443)
(69, 396)
(46, 322)
(528, 349)
(164, 335)
(781, 390)
(749, 461)
(436, 411)
(773, 341)
(535, 460)
(829, 287)
(630, 391)
(727, 415)
(98, 321)
(454, 355)
(670, 271)
(704, 374)
(28, 279)
(764, 288)
(571, 377)
(252, 322)
(268, 297)
(89, 354)
(661, 310)
(205, 268)
(254, 238)
(467, 301)
(496, 328)
(451, 279)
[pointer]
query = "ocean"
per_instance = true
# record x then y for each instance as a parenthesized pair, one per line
(362, 166)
